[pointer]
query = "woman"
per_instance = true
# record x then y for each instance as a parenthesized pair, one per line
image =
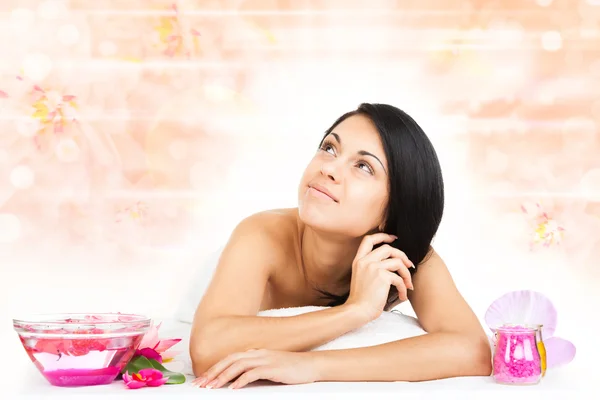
(370, 203)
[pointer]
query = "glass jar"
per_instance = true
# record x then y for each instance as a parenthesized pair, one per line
(519, 354)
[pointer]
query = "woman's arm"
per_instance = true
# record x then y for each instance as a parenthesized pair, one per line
(226, 321)
(455, 344)
(427, 357)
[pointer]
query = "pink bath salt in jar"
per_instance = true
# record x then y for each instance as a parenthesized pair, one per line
(519, 356)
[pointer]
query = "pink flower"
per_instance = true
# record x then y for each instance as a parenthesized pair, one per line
(546, 231)
(146, 377)
(173, 36)
(136, 212)
(154, 348)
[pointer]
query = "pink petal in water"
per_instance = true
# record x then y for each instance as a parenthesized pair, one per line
(3, 95)
(558, 352)
(523, 307)
(194, 32)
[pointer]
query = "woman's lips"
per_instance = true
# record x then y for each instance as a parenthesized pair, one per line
(321, 192)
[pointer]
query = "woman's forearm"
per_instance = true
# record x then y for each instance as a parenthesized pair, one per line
(226, 335)
(421, 358)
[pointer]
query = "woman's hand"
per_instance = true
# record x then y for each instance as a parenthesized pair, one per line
(252, 365)
(374, 271)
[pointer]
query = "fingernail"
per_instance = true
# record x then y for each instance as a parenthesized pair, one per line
(232, 386)
(201, 381)
(394, 236)
(211, 384)
(413, 266)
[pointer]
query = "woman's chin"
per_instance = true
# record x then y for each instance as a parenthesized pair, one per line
(324, 222)
(316, 218)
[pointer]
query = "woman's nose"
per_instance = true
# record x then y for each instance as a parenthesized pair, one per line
(331, 170)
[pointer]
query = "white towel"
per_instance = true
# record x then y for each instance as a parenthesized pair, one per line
(197, 285)
(389, 327)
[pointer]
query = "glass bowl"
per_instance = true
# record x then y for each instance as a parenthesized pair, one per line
(81, 349)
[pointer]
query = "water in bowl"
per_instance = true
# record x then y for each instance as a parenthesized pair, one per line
(81, 362)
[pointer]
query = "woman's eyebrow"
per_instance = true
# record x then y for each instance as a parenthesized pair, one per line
(361, 152)
(366, 153)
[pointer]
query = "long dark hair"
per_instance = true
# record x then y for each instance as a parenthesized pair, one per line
(416, 187)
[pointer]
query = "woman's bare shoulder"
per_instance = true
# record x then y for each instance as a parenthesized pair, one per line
(278, 227)
(256, 251)
(277, 219)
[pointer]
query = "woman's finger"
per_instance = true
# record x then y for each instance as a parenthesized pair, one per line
(399, 284)
(219, 367)
(235, 370)
(366, 245)
(396, 265)
(387, 251)
(251, 376)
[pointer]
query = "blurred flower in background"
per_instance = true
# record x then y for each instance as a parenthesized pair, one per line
(159, 124)
(173, 37)
(546, 231)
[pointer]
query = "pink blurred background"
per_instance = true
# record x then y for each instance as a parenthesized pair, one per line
(135, 134)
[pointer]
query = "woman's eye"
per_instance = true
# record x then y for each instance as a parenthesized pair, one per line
(329, 147)
(365, 167)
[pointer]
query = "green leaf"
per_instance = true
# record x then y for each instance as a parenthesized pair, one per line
(136, 364)
(140, 362)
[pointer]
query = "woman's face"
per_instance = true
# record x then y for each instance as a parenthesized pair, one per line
(351, 167)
